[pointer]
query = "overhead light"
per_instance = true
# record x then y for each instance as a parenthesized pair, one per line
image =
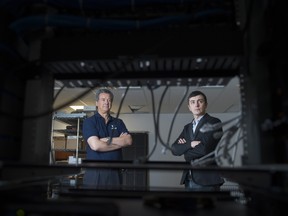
(89, 108)
(130, 87)
(143, 64)
(135, 108)
(212, 86)
(77, 107)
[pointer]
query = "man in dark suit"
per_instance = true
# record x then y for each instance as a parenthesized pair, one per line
(194, 144)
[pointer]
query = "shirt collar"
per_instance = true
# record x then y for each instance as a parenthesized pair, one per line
(197, 121)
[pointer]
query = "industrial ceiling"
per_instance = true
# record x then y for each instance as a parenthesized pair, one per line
(89, 44)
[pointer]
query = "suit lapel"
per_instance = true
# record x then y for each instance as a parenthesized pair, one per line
(191, 134)
(200, 124)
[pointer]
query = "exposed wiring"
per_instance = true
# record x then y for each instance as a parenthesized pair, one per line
(225, 144)
(211, 127)
(157, 122)
(58, 93)
(156, 118)
(154, 121)
(122, 100)
(175, 114)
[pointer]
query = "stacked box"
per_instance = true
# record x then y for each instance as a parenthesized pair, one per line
(72, 142)
(59, 142)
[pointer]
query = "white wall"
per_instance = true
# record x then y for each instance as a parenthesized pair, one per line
(144, 122)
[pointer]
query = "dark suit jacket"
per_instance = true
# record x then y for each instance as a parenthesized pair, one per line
(207, 145)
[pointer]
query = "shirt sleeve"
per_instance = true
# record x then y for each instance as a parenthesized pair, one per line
(122, 126)
(180, 149)
(89, 129)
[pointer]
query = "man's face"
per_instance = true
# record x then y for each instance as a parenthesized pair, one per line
(104, 103)
(197, 105)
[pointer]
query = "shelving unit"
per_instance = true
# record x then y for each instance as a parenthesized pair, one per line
(74, 120)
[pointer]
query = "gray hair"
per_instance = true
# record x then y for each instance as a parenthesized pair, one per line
(104, 90)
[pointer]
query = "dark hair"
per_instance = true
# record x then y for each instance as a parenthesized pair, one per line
(104, 90)
(195, 93)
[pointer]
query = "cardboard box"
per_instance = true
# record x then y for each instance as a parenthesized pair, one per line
(59, 142)
(62, 155)
(72, 142)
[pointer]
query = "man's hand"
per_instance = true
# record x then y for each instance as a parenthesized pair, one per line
(181, 141)
(194, 143)
(123, 134)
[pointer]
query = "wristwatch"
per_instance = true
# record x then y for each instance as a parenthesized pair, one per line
(109, 140)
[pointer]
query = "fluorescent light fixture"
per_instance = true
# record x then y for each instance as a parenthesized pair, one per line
(212, 86)
(130, 87)
(89, 108)
(77, 107)
(135, 108)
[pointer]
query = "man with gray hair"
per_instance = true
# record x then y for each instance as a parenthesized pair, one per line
(105, 137)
